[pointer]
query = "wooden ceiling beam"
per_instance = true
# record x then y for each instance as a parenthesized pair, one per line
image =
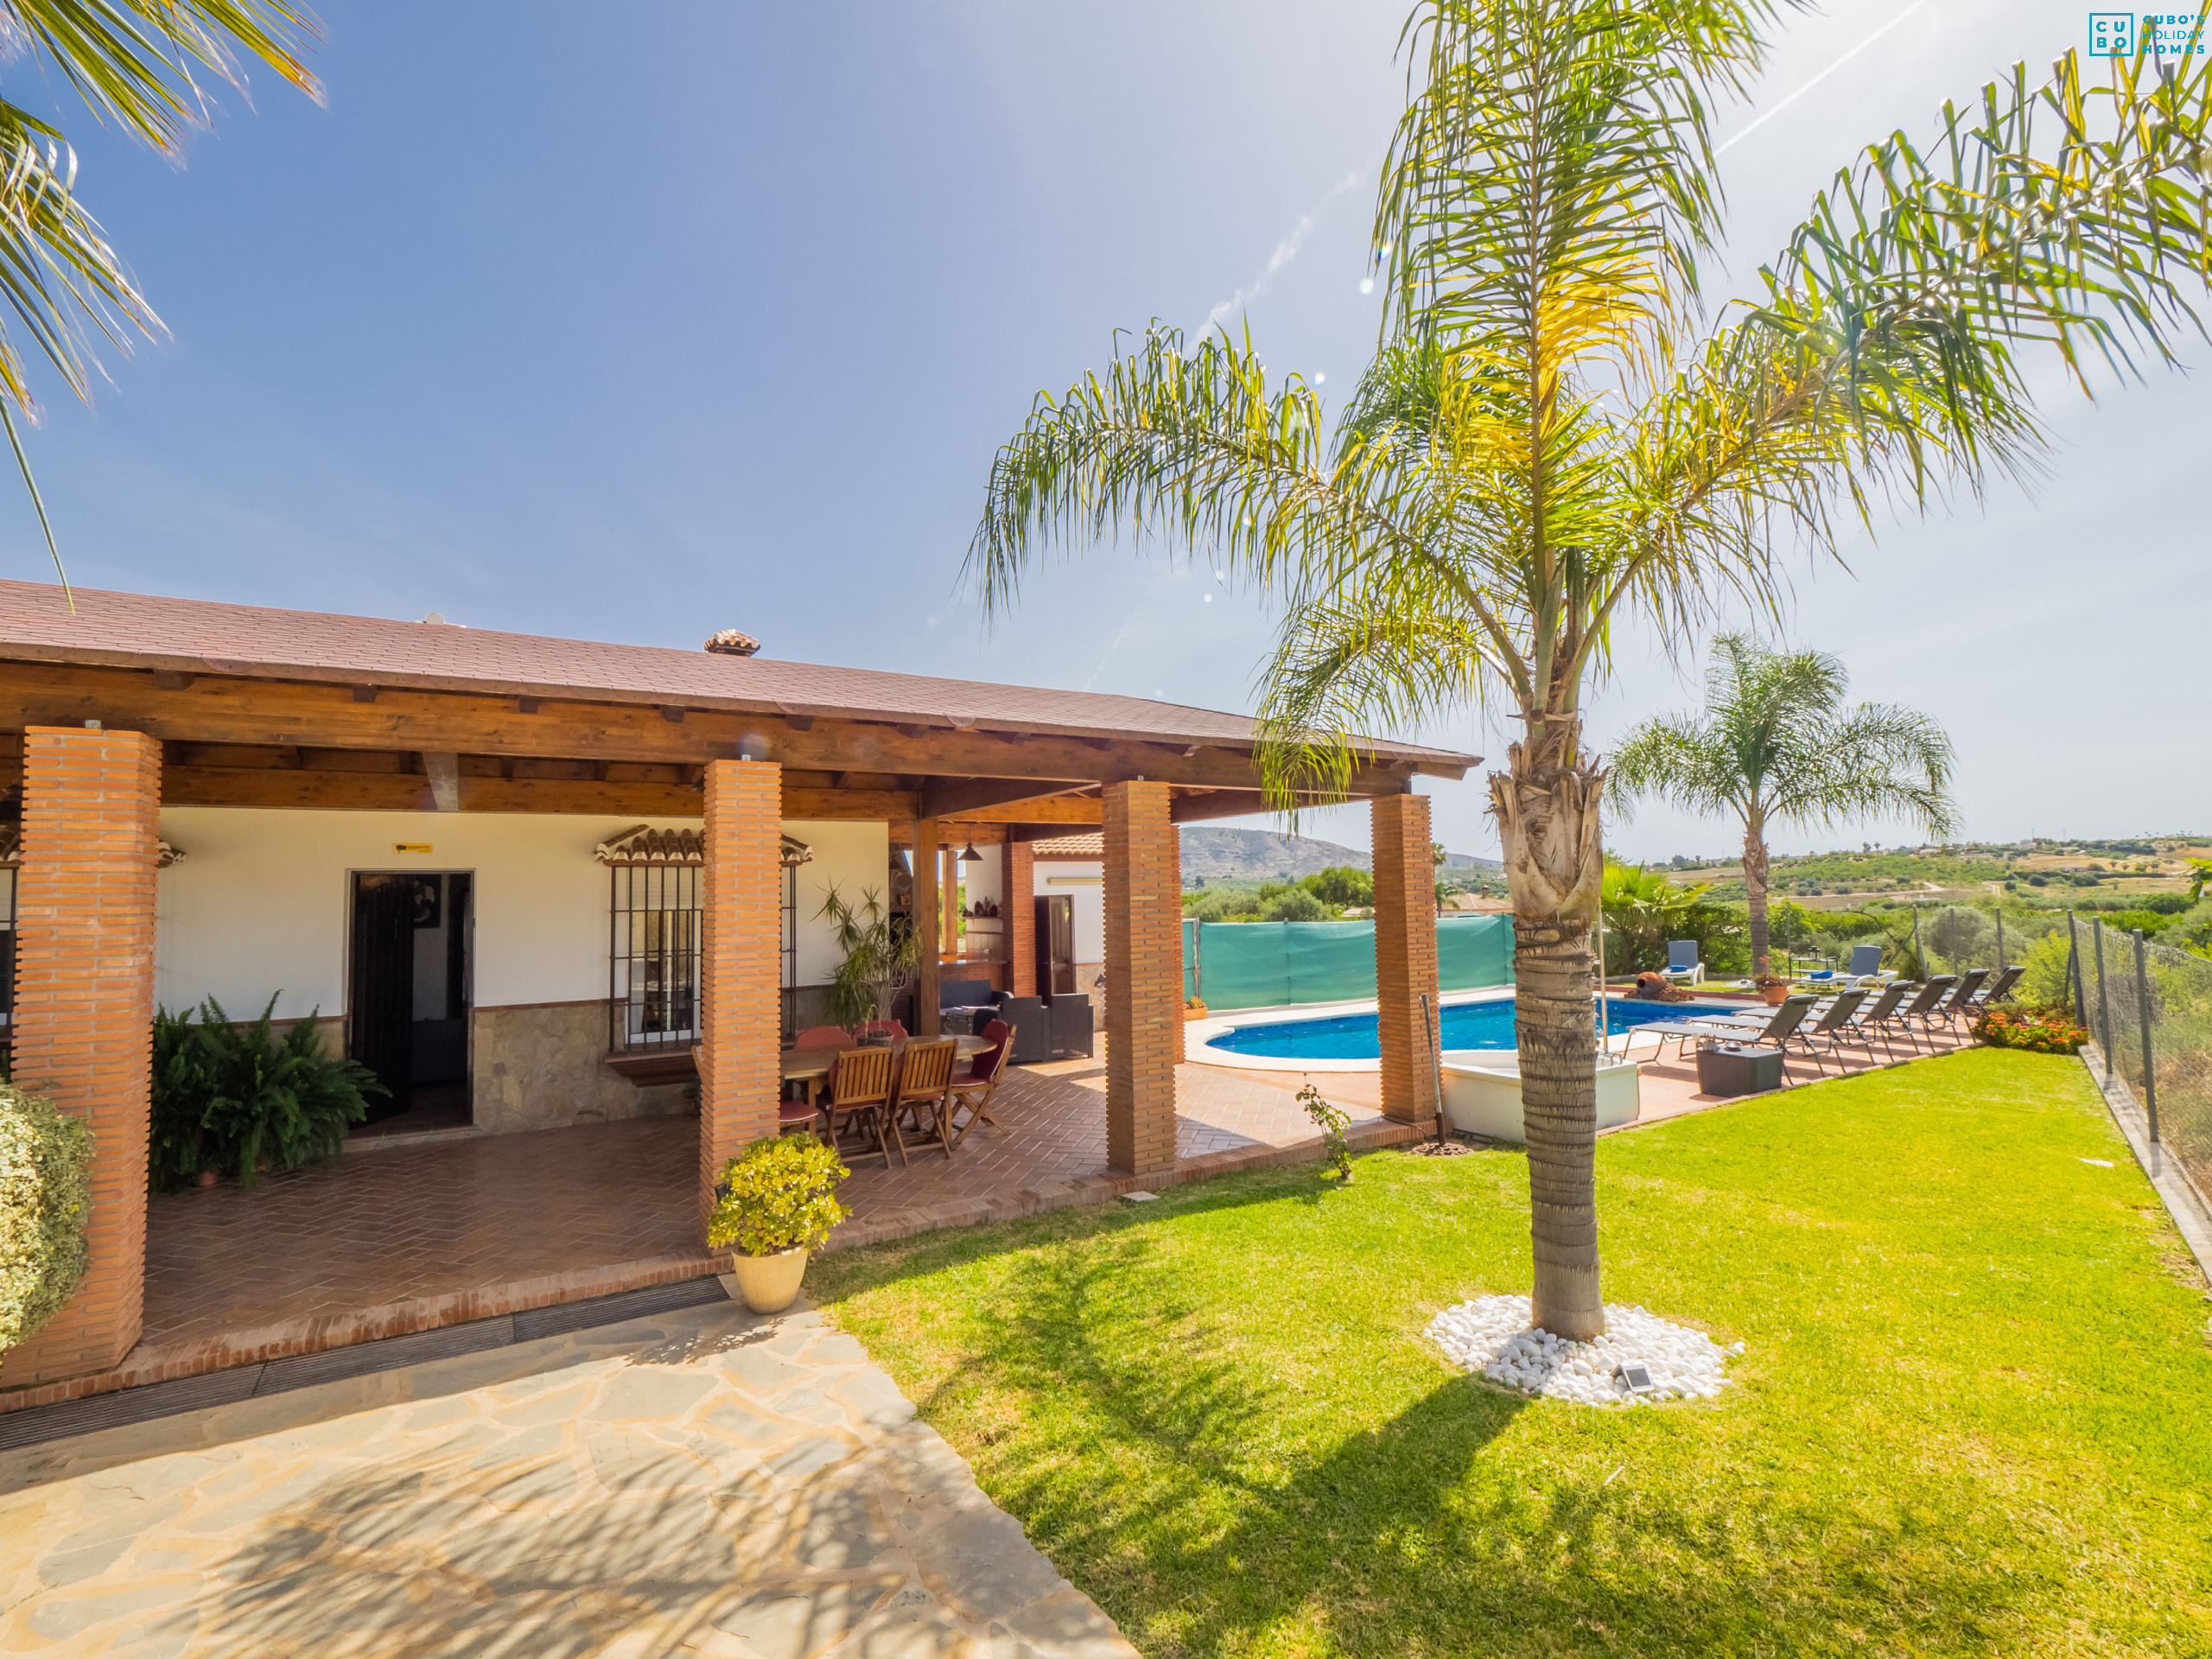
(483, 790)
(968, 797)
(1064, 809)
(220, 709)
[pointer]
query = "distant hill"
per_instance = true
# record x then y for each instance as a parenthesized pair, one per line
(1215, 854)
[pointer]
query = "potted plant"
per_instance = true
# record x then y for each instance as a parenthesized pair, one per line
(776, 1203)
(1772, 989)
(881, 962)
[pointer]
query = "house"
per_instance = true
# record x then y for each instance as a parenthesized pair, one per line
(535, 882)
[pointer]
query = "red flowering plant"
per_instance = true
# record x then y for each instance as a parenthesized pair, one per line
(2040, 1031)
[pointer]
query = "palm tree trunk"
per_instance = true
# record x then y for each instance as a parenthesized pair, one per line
(1547, 809)
(1755, 879)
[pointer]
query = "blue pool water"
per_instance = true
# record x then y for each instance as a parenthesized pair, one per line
(1466, 1024)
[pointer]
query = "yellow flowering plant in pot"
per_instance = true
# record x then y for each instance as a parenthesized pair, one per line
(776, 1203)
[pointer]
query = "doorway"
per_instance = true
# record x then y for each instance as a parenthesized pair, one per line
(407, 1018)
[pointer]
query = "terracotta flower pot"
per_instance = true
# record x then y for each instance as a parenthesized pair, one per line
(769, 1283)
(1773, 996)
(209, 1177)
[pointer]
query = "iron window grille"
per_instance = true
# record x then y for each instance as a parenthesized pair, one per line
(656, 927)
(655, 982)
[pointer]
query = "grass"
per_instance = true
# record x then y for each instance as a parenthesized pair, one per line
(1975, 1414)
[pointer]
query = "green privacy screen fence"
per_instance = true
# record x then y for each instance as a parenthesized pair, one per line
(1271, 964)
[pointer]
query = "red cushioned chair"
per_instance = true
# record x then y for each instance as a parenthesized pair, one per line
(974, 1087)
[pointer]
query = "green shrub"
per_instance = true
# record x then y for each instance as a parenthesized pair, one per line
(236, 1099)
(1341, 885)
(1295, 905)
(2046, 983)
(2126, 921)
(778, 1194)
(46, 1198)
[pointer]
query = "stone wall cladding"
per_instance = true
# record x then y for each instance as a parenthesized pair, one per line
(742, 966)
(544, 1068)
(84, 1011)
(1405, 955)
(1144, 973)
(1020, 907)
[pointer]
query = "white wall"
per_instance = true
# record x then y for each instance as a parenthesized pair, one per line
(1090, 904)
(856, 858)
(259, 903)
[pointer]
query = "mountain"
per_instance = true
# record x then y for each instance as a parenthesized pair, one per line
(1214, 854)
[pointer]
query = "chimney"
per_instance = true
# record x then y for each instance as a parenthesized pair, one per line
(730, 642)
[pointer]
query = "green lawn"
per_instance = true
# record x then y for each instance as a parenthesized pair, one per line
(1975, 1416)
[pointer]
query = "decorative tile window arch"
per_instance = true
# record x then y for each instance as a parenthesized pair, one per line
(654, 915)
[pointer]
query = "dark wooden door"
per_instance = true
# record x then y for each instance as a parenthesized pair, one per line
(380, 1020)
(1055, 944)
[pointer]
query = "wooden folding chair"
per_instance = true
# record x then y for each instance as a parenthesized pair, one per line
(974, 1087)
(859, 1102)
(922, 1091)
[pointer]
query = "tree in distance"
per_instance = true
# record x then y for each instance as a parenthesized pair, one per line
(1556, 436)
(1775, 745)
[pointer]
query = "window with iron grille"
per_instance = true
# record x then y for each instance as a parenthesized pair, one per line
(654, 988)
(656, 924)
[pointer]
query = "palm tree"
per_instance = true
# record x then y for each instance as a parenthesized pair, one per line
(1553, 439)
(138, 63)
(1775, 746)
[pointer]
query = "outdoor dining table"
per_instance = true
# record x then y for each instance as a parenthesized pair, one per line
(811, 1065)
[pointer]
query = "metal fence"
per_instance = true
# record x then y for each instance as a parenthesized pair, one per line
(2149, 1008)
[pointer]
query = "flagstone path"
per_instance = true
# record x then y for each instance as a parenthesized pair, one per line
(704, 1481)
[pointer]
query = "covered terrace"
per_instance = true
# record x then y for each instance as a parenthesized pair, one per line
(133, 707)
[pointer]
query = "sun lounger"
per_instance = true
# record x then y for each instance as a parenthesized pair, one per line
(1682, 960)
(1961, 994)
(1931, 992)
(1834, 1021)
(1866, 965)
(1881, 1016)
(1773, 1034)
(1998, 989)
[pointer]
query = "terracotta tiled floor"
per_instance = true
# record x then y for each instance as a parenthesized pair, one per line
(428, 1220)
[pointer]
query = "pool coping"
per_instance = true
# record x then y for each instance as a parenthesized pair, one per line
(1198, 1034)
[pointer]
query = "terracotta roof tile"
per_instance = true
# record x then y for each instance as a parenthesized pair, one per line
(1090, 846)
(140, 630)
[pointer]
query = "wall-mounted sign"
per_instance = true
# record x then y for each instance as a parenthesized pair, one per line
(410, 846)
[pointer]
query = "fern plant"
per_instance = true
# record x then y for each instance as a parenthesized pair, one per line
(228, 1098)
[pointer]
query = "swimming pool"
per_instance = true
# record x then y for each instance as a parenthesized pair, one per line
(1466, 1024)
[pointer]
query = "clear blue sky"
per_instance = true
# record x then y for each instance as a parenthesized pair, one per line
(635, 324)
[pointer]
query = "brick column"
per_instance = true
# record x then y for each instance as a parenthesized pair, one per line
(84, 1011)
(1020, 907)
(929, 906)
(1144, 978)
(1405, 955)
(740, 1023)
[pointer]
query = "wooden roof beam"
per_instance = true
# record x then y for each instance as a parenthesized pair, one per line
(216, 710)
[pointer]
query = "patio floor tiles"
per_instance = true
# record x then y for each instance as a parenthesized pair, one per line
(440, 1218)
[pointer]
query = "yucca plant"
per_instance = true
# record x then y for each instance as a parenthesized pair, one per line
(1556, 437)
(880, 960)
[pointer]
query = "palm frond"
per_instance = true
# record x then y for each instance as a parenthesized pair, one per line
(2074, 217)
(135, 62)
